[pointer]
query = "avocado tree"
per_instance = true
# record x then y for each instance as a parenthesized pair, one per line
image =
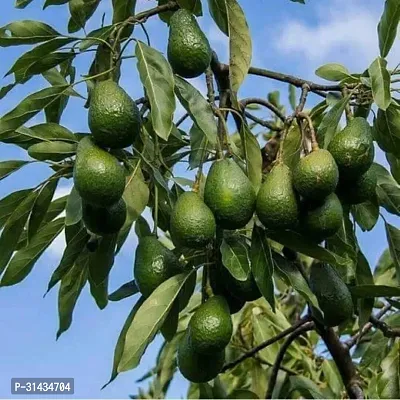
(252, 272)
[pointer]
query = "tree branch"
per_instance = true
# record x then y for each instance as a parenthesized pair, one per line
(265, 103)
(290, 339)
(387, 330)
(144, 15)
(265, 344)
(259, 121)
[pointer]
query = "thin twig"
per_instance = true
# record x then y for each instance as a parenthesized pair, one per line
(290, 339)
(259, 121)
(182, 119)
(387, 330)
(265, 103)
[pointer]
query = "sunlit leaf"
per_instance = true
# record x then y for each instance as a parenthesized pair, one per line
(235, 257)
(380, 82)
(388, 384)
(333, 72)
(252, 154)
(387, 28)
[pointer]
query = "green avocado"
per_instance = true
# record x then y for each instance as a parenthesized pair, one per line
(229, 194)
(316, 175)
(196, 367)
(322, 220)
(104, 220)
(192, 223)
(114, 118)
(333, 295)
(360, 190)
(353, 148)
(189, 52)
(98, 176)
(277, 202)
(154, 264)
(210, 328)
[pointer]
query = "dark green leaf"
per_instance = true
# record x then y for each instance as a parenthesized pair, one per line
(368, 291)
(51, 131)
(55, 151)
(74, 208)
(55, 209)
(218, 13)
(170, 325)
(333, 72)
(253, 156)
(375, 352)
(194, 6)
(393, 238)
(81, 11)
(24, 260)
(388, 384)
(199, 146)
(262, 264)
(235, 257)
(148, 320)
(9, 203)
(306, 387)
(364, 277)
(387, 130)
(48, 3)
(102, 260)
(8, 167)
(292, 96)
(387, 28)
(366, 214)
(99, 292)
(198, 108)
(94, 37)
(380, 82)
(142, 228)
(292, 147)
(126, 290)
(394, 163)
(22, 3)
(123, 9)
(6, 89)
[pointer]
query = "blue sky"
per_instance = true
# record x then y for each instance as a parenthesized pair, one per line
(288, 37)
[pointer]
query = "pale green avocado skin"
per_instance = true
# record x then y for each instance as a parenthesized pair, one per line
(114, 118)
(154, 264)
(192, 223)
(229, 194)
(104, 220)
(277, 202)
(333, 295)
(316, 175)
(322, 220)
(196, 367)
(189, 51)
(210, 328)
(353, 148)
(98, 176)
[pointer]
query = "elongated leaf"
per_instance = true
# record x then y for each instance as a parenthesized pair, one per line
(388, 384)
(328, 125)
(29, 107)
(393, 238)
(123, 9)
(70, 289)
(6, 89)
(74, 208)
(368, 291)
(81, 11)
(158, 79)
(375, 352)
(394, 163)
(9, 203)
(170, 325)
(48, 3)
(142, 228)
(22, 3)
(387, 28)
(387, 130)
(8, 167)
(39, 209)
(292, 147)
(126, 290)
(102, 260)
(25, 32)
(55, 151)
(52, 131)
(388, 190)
(240, 46)
(199, 145)
(306, 387)
(99, 292)
(262, 264)
(253, 156)
(148, 321)
(93, 37)
(333, 72)
(198, 108)
(366, 214)
(218, 13)
(24, 260)
(292, 96)
(364, 277)
(235, 257)
(380, 82)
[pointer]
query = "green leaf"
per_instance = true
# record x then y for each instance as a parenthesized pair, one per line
(388, 384)
(25, 32)
(22, 3)
(240, 46)
(199, 145)
(329, 123)
(375, 352)
(102, 260)
(332, 377)
(39, 209)
(9, 203)
(81, 11)
(194, 6)
(235, 257)
(388, 190)
(148, 320)
(48, 3)
(28, 108)
(8, 167)
(387, 28)
(293, 278)
(206, 391)
(13, 229)
(142, 228)
(119, 348)
(55, 151)
(74, 208)
(333, 72)
(99, 292)
(366, 214)
(218, 13)
(52, 131)
(292, 96)
(94, 36)
(24, 260)
(364, 277)
(122, 9)
(306, 387)
(6, 89)
(292, 147)
(253, 156)
(126, 290)
(157, 77)
(198, 108)
(170, 325)
(393, 238)
(262, 264)
(380, 82)
(394, 163)
(368, 291)
(71, 286)
(387, 130)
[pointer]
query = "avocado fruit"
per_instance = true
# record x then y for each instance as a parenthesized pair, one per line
(229, 194)
(277, 202)
(189, 51)
(210, 328)
(334, 297)
(360, 190)
(353, 148)
(104, 220)
(114, 118)
(98, 176)
(192, 223)
(154, 264)
(196, 367)
(322, 220)
(316, 175)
